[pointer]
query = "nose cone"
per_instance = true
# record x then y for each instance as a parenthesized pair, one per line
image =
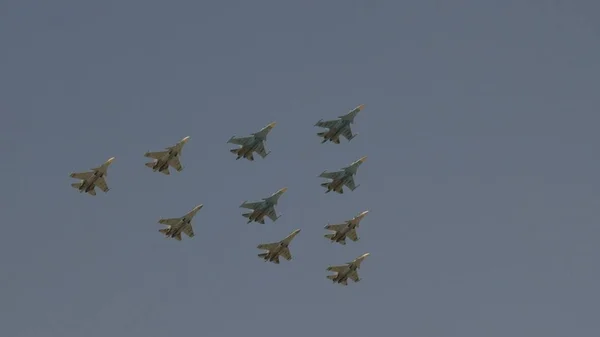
(363, 159)
(283, 190)
(197, 208)
(364, 255)
(110, 160)
(271, 125)
(296, 232)
(185, 139)
(363, 214)
(360, 107)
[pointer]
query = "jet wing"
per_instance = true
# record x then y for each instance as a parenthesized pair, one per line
(188, 230)
(261, 150)
(81, 175)
(326, 124)
(347, 133)
(251, 205)
(338, 269)
(169, 222)
(286, 254)
(176, 164)
(330, 175)
(352, 235)
(101, 184)
(353, 276)
(156, 155)
(350, 183)
(335, 228)
(268, 246)
(241, 140)
(272, 214)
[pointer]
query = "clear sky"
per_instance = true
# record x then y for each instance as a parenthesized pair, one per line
(480, 127)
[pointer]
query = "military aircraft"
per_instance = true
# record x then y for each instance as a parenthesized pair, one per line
(252, 143)
(276, 249)
(91, 179)
(339, 127)
(343, 177)
(176, 226)
(264, 207)
(164, 159)
(347, 271)
(345, 230)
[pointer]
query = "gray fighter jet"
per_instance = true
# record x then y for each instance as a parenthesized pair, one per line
(345, 230)
(164, 159)
(92, 179)
(176, 226)
(252, 143)
(339, 127)
(264, 207)
(347, 271)
(344, 177)
(276, 249)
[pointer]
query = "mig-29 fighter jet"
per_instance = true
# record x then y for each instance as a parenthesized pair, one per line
(176, 226)
(276, 249)
(345, 230)
(347, 271)
(339, 127)
(264, 207)
(92, 179)
(164, 159)
(252, 143)
(343, 177)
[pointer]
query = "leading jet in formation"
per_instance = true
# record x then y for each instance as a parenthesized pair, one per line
(344, 177)
(345, 230)
(92, 179)
(339, 127)
(176, 226)
(264, 207)
(169, 157)
(277, 249)
(347, 271)
(253, 143)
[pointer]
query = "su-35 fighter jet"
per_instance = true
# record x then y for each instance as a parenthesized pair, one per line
(345, 230)
(176, 226)
(92, 179)
(339, 127)
(164, 159)
(252, 143)
(347, 271)
(264, 207)
(344, 177)
(276, 249)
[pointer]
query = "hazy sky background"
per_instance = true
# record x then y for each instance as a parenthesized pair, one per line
(480, 127)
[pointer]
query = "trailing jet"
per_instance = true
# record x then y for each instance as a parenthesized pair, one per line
(339, 127)
(347, 271)
(176, 226)
(164, 159)
(276, 249)
(252, 143)
(264, 207)
(345, 230)
(343, 177)
(92, 179)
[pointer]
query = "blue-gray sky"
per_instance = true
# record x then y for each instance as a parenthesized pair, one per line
(480, 127)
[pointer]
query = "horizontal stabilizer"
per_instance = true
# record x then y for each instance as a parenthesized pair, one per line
(76, 185)
(321, 134)
(150, 165)
(246, 215)
(233, 151)
(325, 184)
(263, 255)
(164, 230)
(331, 277)
(329, 236)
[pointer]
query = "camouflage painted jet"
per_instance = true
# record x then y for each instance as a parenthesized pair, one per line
(276, 249)
(345, 230)
(252, 143)
(347, 271)
(344, 177)
(176, 226)
(264, 207)
(92, 179)
(339, 127)
(164, 159)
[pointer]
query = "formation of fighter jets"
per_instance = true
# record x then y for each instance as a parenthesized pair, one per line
(255, 143)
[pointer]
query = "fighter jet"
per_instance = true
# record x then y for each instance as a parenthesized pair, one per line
(252, 143)
(343, 177)
(339, 127)
(91, 179)
(276, 249)
(176, 226)
(264, 207)
(347, 271)
(164, 159)
(345, 230)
